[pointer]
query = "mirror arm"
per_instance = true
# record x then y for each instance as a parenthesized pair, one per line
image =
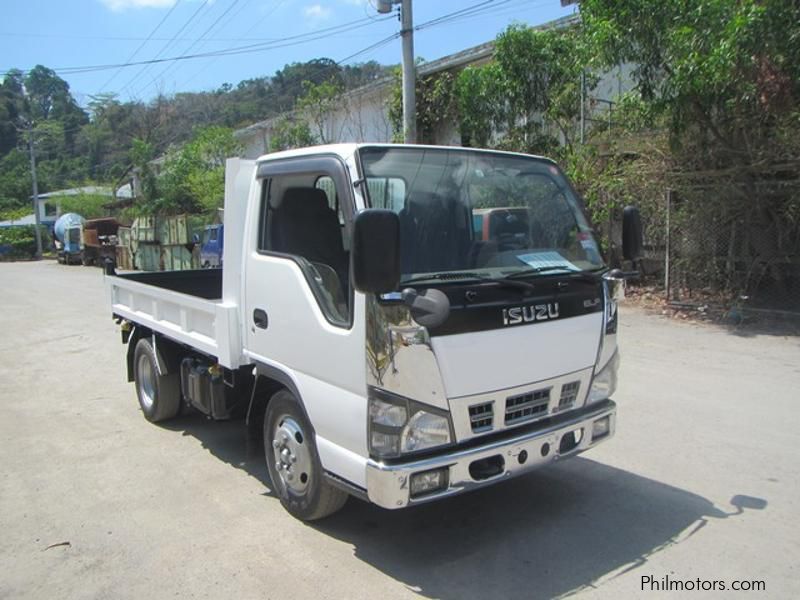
(620, 274)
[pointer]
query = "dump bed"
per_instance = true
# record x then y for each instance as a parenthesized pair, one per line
(185, 306)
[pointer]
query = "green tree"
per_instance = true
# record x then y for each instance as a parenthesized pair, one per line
(723, 69)
(289, 134)
(318, 104)
(480, 103)
(48, 99)
(436, 104)
(194, 175)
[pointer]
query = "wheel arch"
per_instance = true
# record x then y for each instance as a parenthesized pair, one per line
(269, 380)
(168, 353)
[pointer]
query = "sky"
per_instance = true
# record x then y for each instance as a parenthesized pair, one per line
(87, 41)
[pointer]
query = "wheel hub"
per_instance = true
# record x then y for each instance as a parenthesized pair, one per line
(292, 455)
(146, 377)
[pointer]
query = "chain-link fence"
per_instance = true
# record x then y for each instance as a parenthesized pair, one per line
(733, 247)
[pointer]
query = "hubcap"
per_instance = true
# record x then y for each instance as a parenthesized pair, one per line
(291, 455)
(147, 385)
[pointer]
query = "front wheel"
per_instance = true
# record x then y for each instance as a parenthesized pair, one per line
(293, 463)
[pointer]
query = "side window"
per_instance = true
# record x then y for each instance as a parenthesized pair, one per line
(213, 235)
(326, 184)
(302, 217)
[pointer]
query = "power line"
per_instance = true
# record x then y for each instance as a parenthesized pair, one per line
(479, 8)
(135, 52)
(255, 25)
(114, 38)
(500, 9)
(165, 46)
(193, 44)
(250, 48)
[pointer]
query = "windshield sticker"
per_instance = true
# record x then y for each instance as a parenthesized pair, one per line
(592, 251)
(548, 260)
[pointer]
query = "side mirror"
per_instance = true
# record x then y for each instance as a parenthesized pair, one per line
(375, 255)
(631, 233)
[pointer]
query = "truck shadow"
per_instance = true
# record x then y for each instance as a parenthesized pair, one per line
(227, 441)
(555, 532)
(565, 528)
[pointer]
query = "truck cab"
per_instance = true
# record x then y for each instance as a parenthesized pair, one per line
(380, 344)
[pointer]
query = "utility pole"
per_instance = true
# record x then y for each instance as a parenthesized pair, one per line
(31, 146)
(409, 69)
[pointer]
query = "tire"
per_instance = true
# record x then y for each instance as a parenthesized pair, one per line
(299, 482)
(159, 395)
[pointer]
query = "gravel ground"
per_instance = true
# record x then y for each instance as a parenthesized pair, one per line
(701, 481)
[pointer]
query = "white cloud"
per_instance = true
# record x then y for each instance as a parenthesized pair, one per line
(120, 5)
(317, 12)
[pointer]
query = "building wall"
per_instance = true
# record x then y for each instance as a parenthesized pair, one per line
(363, 114)
(362, 118)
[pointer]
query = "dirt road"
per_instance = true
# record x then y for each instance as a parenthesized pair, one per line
(701, 481)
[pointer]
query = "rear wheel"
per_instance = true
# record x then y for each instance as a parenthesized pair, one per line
(293, 463)
(159, 395)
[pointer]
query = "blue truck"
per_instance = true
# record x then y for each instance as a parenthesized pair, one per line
(211, 248)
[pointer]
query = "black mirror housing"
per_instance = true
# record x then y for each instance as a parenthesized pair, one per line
(375, 254)
(632, 243)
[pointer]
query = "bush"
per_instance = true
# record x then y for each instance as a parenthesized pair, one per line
(19, 241)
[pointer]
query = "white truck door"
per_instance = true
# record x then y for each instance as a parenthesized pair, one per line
(299, 306)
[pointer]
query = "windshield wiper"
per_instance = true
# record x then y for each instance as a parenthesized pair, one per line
(590, 276)
(469, 276)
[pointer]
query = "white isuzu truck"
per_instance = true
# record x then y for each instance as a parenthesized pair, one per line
(399, 323)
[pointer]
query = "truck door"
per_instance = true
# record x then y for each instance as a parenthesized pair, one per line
(299, 304)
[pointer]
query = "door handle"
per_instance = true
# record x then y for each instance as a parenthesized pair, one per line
(260, 318)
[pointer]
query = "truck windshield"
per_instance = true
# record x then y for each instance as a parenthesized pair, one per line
(466, 214)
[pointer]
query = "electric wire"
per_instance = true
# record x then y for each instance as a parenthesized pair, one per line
(164, 47)
(135, 52)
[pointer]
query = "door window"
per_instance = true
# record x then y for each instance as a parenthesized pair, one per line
(303, 219)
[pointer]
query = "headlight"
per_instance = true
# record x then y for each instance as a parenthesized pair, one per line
(604, 384)
(398, 425)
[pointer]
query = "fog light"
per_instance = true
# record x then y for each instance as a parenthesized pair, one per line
(428, 482)
(601, 428)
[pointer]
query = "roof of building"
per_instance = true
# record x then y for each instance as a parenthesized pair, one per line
(26, 220)
(93, 190)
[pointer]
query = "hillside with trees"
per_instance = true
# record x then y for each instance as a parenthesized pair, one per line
(100, 142)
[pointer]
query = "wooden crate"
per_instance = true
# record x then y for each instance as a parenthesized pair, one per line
(144, 229)
(124, 237)
(174, 230)
(148, 257)
(178, 258)
(124, 258)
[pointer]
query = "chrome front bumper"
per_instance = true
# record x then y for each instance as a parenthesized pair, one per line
(388, 485)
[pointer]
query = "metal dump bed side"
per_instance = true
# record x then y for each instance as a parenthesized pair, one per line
(208, 326)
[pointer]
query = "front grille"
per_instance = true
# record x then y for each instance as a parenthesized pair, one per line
(527, 406)
(481, 417)
(569, 393)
